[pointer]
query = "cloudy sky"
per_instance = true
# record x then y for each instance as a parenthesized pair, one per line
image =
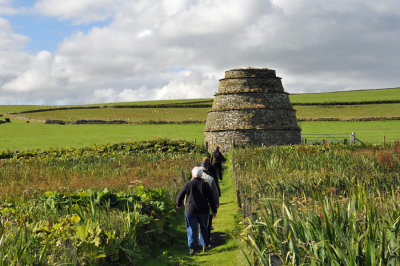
(95, 51)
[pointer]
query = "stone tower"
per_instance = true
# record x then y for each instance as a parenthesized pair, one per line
(251, 108)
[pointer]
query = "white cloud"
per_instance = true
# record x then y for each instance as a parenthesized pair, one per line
(4, 24)
(81, 11)
(6, 10)
(188, 85)
(13, 61)
(36, 77)
(160, 49)
(124, 95)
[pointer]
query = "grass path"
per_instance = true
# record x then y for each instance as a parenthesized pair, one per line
(224, 251)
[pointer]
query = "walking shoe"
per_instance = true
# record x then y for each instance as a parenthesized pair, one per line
(191, 253)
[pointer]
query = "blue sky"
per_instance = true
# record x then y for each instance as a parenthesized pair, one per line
(92, 51)
(45, 32)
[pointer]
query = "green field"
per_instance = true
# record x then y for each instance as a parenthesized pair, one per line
(22, 136)
(200, 114)
(347, 96)
(372, 132)
(127, 114)
(348, 111)
(21, 108)
(157, 102)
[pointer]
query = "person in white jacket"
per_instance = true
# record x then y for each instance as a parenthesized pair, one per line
(214, 189)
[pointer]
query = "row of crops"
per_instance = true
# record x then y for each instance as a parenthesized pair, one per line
(325, 205)
(104, 204)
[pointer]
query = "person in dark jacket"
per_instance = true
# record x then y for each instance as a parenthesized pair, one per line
(211, 171)
(212, 181)
(216, 160)
(198, 199)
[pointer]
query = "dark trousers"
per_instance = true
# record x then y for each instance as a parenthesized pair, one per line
(218, 167)
(210, 218)
(217, 184)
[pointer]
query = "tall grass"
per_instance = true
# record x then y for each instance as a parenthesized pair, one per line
(321, 204)
(117, 167)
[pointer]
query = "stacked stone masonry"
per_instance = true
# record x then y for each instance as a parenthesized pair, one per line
(251, 108)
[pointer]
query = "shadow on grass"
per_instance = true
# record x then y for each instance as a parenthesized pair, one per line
(224, 203)
(218, 239)
(177, 252)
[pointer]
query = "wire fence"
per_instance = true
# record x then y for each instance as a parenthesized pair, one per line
(343, 138)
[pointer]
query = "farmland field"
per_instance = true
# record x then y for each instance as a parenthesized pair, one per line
(372, 132)
(348, 111)
(138, 115)
(21, 108)
(157, 102)
(347, 96)
(22, 136)
(127, 114)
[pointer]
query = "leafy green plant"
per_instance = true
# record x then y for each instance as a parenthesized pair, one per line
(86, 227)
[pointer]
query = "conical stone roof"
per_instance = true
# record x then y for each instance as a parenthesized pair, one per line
(251, 108)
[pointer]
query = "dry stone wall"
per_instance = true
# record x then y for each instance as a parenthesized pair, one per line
(251, 108)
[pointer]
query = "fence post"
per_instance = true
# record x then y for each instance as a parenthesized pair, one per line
(353, 138)
(244, 206)
(237, 183)
(247, 209)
